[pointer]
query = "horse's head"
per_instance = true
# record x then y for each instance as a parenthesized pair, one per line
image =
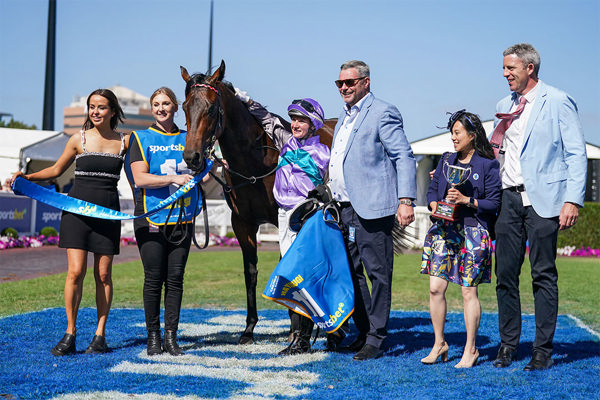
(204, 115)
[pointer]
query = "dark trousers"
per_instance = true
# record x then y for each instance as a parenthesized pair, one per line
(164, 265)
(371, 250)
(517, 224)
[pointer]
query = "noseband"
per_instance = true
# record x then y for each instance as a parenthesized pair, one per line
(210, 150)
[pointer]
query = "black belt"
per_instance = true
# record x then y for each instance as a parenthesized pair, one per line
(518, 188)
(344, 204)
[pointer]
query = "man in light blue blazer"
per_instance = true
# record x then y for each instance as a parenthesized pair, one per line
(543, 166)
(372, 174)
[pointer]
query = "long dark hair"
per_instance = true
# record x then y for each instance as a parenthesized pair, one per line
(113, 103)
(474, 127)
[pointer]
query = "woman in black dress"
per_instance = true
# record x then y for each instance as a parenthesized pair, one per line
(98, 151)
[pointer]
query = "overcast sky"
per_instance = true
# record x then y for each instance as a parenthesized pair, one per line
(427, 57)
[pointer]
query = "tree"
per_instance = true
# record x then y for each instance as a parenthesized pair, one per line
(16, 125)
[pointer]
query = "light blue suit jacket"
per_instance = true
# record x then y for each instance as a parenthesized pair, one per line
(553, 157)
(379, 166)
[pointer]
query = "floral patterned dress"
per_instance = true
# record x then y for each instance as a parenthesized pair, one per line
(462, 255)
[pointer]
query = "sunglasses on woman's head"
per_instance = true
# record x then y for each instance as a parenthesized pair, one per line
(455, 116)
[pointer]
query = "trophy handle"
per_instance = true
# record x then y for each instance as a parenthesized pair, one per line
(445, 170)
(467, 175)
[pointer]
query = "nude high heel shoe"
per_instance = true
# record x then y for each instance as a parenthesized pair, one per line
(433, 356)
(471, 364)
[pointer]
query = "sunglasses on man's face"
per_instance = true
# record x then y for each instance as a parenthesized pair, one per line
(348, 82)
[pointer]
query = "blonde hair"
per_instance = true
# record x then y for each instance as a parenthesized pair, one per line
(167, 92)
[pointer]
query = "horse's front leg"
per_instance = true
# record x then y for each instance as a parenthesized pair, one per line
(246, 235)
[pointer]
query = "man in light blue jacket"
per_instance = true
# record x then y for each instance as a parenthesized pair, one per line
(543, 167)
(372, 174)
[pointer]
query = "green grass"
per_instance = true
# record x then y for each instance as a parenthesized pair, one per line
(216, 280)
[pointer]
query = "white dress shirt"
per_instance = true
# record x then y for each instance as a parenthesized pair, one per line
(338, 150)
(512, 145)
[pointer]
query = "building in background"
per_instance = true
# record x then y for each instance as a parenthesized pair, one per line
(135, 106)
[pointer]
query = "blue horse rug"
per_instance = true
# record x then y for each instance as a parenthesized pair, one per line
(313, 277)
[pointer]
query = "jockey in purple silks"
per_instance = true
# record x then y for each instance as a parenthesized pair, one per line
(303, 164)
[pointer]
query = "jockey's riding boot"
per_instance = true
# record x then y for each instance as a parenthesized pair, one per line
(335, 338)
(170, 345)
(306, 326)
(333, 341)
(301, 343)
(154, 343)
(294, 325)
(292, 338)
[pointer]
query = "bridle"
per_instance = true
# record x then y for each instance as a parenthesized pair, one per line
(209, 152)
(178, 229)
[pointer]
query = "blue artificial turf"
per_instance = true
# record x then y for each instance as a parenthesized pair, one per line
(216, 368)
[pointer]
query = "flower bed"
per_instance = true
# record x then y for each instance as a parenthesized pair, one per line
(222, 241)
(571, 251)
(8, 242)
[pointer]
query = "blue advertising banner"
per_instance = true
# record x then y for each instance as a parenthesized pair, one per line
(46, 216)
(15, 212)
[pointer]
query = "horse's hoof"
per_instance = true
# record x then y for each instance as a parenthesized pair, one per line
(246, 339)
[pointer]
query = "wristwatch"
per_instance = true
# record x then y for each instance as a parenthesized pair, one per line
(472, 202)
(407, 202)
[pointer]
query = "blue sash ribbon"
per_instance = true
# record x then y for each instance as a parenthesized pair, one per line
(24, 187)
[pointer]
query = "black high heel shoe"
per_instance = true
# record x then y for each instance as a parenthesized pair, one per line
(65, 346)
(170, 345)
(98, 346)
(154, 343)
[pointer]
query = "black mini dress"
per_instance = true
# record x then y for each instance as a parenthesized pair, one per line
(96, 178)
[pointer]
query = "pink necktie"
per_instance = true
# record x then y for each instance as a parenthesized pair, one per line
(505, 122)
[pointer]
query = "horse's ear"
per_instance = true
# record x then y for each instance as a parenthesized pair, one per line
(184, 74)
(219, 73)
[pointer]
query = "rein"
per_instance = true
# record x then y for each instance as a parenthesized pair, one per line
(250, 180)
(179, 224)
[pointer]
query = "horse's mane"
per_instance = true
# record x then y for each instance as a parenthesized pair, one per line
(202, 78)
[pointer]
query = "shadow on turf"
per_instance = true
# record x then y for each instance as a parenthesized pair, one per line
(407, 336)
(407, 339)
(406, 343)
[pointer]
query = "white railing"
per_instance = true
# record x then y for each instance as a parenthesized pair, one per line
(219, 223)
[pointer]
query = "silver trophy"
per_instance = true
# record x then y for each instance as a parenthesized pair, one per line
(455, 176)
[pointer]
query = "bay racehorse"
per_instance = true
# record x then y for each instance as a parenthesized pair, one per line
(214, 113)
